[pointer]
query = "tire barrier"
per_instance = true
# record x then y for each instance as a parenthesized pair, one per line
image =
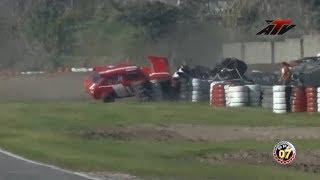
(184, 89)
(254, 95)
(311, 96)
(200, 90)
(32, 72)
(237, 96)
(281, 99)
(217, 95)
(318, 98)
(298, 100)
(83, 69)
(267, 97)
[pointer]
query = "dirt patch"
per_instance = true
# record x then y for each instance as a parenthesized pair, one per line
(308, 161)
(190, 132)
(228, 133)
(134, 132)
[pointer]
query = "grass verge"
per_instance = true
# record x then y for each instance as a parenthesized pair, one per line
(46, 132)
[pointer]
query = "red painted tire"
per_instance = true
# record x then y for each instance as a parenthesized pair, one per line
(219, 96)
(218, 86)
(298, 102)
(298, 99)
(298, 94)
(219, 100)
(295, 110)
(218, 91)
(298, 106)
(311, 95)
(312, 104)
(312, 109)
(311, 99)
(311, 90)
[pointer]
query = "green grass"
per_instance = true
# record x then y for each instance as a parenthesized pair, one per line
(48, 132)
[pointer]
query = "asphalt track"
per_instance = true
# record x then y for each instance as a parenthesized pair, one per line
(13, 167)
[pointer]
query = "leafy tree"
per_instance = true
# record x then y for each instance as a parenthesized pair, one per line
(154, 18)
(49, 25)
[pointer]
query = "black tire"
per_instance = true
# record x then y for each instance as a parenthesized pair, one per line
(143, 92)
(109, 99)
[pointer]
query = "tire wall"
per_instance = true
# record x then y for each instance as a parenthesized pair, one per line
(254, 95)
(200, 90)
(267, 97)
(318, 98)
(184, 92)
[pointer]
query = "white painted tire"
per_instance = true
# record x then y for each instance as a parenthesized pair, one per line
(280, 111)
(238, 100)
(279, 101)
(237, 94)
(197, 92)
(279, 88)
(318, 89)
(238, 89)
(318, 101)
(279, 106)
(279, 95)
(237, 104)
(196, 81)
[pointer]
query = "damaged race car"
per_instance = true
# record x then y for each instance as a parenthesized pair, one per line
(126, 80)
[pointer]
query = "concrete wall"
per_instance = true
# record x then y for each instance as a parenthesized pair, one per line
(232, 50)
(257, 52)
(287, 50)
(311, 45)
(274, 52)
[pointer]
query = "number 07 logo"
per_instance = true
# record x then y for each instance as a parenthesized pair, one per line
(284, 152)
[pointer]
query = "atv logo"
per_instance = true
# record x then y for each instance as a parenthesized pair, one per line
(277, 27)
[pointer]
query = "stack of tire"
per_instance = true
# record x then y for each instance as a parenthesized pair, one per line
(318, 97)
(237, 96)
(281, 99)
(217, 95)
(200, 90)
(311, 96)
(267, 97)
(254, 95)
(184, 89)
(298, 100)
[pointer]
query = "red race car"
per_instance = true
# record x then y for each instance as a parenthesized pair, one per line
(126, 80)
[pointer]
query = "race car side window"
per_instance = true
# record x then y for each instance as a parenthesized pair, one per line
(117, 79)
(95, 77)
(132, 76)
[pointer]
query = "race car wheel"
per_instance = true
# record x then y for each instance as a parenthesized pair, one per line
(109, 99)
(143, 92)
